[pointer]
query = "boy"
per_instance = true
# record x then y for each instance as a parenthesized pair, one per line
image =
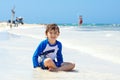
(50, 52)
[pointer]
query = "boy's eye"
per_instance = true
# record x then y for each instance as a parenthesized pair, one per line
(50, 32)
(55, 32)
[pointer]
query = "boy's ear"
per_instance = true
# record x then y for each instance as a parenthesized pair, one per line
(58, 34)
(45, 34)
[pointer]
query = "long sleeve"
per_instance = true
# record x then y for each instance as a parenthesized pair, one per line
(59, 55)
(37, 53)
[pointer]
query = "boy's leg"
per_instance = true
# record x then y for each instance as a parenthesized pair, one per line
(66, 66)
(48, 62)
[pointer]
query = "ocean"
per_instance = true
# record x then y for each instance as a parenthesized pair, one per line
(93, 27)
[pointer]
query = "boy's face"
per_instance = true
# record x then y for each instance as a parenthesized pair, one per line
(52, 35)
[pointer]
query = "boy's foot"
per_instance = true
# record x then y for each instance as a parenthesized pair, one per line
(53, 70)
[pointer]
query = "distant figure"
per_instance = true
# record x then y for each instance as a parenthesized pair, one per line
(9, 23)
(12, 16)
(80, 20)
(19, 20)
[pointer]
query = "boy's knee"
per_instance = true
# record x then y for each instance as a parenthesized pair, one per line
(48, 60)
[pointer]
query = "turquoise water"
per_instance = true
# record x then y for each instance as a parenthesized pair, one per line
(93, 27)
(90, 25)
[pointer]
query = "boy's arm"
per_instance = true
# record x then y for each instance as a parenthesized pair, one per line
(38, 52)
(59, 55)
(35, 57)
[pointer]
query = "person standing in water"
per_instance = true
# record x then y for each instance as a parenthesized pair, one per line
(80, 21)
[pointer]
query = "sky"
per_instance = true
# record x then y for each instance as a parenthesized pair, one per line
(62, 11)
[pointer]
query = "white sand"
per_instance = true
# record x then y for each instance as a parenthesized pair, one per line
(91, 51)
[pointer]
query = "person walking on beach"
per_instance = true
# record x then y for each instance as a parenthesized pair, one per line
(80, 20)
(48, 54)
(12, 16)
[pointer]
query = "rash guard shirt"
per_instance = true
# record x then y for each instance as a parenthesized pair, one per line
(54, 52)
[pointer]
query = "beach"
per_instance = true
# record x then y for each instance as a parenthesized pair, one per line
(96, 53)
